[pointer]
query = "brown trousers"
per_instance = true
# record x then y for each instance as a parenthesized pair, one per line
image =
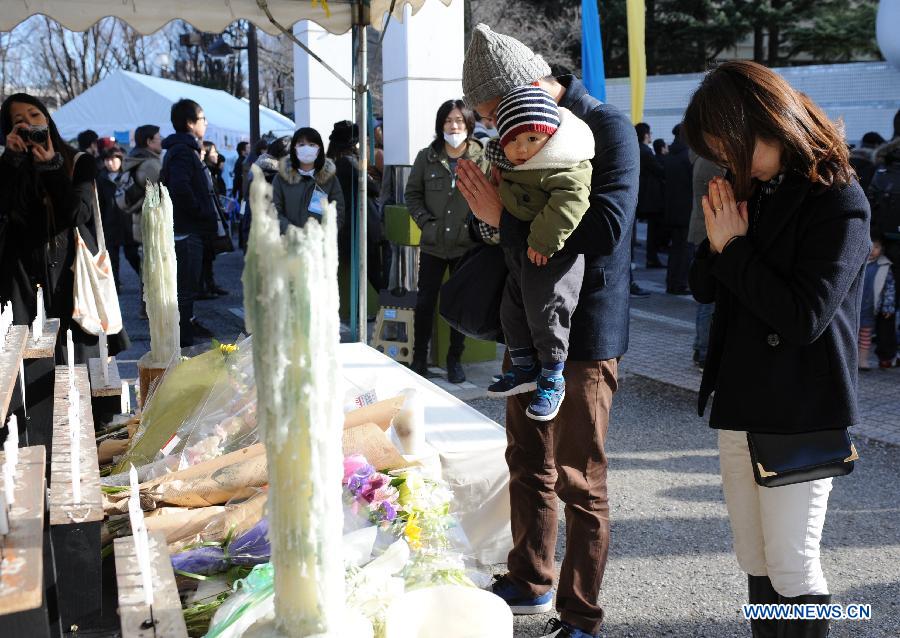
(565, 458)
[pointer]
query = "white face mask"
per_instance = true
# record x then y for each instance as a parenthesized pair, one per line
(455, 140)
(306, 154)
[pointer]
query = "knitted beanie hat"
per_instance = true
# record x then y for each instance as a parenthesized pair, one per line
(526, 109)
(495, 64)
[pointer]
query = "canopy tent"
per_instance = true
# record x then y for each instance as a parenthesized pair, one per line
(147, 16)
(272, 16)
(124, 100)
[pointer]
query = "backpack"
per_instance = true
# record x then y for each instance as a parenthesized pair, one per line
(128, 191)
(885, 196)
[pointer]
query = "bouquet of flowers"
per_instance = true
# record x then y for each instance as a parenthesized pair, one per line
(248, 549)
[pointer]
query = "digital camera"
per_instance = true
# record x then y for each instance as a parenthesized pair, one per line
(36, 135)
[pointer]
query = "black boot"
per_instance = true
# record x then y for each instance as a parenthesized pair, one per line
(761, 592)
(419, 365)
(815, 628)
(455, 372)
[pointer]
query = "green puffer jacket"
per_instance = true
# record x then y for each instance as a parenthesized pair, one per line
(552, 189)
(437, 206)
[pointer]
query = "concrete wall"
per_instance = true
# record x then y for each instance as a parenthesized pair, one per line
(866, 95)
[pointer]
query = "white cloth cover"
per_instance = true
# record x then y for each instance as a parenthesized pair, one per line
(471, 448)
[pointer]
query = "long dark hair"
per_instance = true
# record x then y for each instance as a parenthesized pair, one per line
(309, 135)
(741, 101)
(442, 113)
(27, 187)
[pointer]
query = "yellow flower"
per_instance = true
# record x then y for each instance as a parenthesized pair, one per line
(413, 533)
(227, 348)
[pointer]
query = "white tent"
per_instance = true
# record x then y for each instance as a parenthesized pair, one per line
(123, 101)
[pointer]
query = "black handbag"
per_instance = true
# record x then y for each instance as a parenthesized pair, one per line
(785, 459)
(221, 242)
(470, 298)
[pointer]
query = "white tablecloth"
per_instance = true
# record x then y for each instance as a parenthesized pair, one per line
(471, 448)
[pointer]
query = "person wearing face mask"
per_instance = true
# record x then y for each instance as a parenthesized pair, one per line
(439, 209)
(304, 178)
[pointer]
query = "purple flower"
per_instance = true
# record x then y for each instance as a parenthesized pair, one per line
(389, 512)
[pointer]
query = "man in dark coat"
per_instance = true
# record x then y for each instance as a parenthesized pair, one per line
(651, 204)
(193, 205)
(679, 200)
(564, 458)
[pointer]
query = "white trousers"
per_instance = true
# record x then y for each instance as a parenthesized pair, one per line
(776, 530)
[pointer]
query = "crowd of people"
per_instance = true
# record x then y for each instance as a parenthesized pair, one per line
(766, 223)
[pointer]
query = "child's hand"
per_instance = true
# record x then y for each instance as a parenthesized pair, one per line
(536, 258)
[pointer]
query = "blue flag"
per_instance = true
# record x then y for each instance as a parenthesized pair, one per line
(592, 72)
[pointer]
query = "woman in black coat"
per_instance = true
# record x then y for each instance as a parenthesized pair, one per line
(45, 194)
(788, 241)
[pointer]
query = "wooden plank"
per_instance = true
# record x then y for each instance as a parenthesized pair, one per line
(22, 569)
(10, 358)
(133, 612)
(111, 389)
(63, 511)
(45, 347)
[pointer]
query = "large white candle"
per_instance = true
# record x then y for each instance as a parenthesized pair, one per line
(37, 327)
(291, 301)
(6, 319)
(159, 272)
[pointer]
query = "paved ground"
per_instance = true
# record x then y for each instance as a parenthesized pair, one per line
(671, 571)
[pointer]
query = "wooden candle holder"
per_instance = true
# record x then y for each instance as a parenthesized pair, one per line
(10, 358)
(75, 527)
(40, 377)
(149, 375)
(23, 607)
(106, 399)
(134, 613)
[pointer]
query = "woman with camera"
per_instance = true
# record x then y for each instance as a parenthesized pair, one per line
(788, 238)
(46, 193)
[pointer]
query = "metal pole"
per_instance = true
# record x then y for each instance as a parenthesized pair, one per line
(253, 63)
(362, 200)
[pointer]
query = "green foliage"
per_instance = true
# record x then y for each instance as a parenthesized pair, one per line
(837, 31)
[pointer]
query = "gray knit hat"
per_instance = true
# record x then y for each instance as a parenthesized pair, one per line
(495, 64)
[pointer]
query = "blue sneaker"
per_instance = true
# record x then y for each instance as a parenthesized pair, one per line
(520, 603)
(547, 399)
(516, 381)
(555, 628)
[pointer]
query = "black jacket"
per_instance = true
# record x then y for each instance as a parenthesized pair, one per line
(114, 222)
(39, 249)
(189, 184)
(652, 190)
(783, 344)
(600, 323)
(679, 185)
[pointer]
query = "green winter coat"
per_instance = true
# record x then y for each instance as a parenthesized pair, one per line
(436, 205)
(552, 189)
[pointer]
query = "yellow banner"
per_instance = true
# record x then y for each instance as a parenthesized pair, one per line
(637, 58)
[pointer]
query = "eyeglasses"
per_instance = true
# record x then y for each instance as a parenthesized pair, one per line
(202, 117)
(460, 121)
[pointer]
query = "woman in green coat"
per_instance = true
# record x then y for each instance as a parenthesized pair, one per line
(441, 212)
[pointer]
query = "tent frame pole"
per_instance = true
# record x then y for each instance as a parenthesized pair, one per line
(360, 21)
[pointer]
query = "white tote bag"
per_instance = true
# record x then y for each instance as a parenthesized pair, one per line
(96, 301)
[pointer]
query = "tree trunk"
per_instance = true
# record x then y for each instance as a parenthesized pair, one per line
(775, 32)
(651, 36)
(759, 54)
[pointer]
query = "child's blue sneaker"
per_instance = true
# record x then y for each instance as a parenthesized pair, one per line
(547, 398)
(519, 602)
(516, 381)
(555, 628)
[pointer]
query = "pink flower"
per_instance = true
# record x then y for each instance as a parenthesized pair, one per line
(352, 464)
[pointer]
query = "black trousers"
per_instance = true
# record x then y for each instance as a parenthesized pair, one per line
(680, 254)
(189, 257)
(431, 275)
(132, 256)
(656, 228)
